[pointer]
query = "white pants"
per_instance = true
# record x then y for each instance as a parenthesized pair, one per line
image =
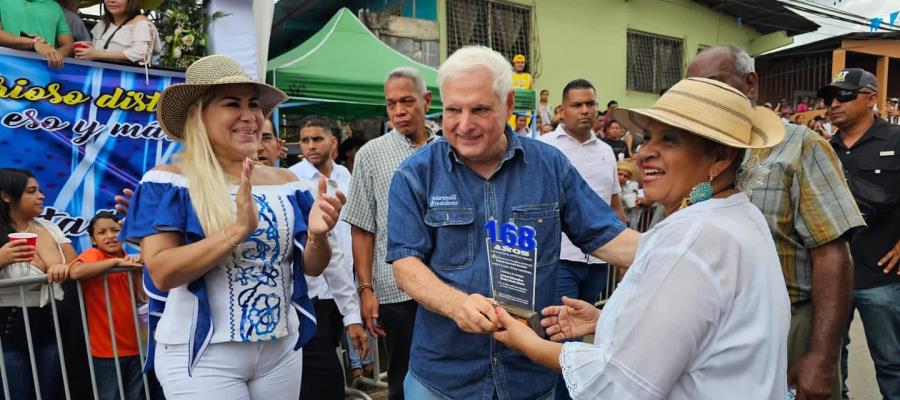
(268, 370)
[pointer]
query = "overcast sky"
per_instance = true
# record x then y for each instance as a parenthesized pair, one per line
(831, 27)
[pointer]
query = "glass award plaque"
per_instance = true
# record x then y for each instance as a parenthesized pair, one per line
(512, 263)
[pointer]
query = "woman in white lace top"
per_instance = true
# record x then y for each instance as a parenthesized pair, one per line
(702, 313)
(123, 34)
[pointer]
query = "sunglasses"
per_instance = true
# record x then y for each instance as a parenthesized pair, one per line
(842, 96)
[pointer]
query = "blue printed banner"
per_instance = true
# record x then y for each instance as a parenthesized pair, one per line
(85, 131)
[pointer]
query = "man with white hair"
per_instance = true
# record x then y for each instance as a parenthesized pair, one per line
(444, 200)
(385, 309)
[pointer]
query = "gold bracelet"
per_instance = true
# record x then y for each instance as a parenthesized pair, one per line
(364, 287)
(312, 241)
(225, 235)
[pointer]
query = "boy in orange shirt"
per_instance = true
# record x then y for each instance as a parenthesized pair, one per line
(88, 267)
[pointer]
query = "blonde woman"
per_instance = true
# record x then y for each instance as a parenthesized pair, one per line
(226, 242)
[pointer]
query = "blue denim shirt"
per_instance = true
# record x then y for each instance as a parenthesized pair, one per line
(438, 208)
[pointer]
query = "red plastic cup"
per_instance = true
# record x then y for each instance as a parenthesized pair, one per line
(83, 45)
(30, 238)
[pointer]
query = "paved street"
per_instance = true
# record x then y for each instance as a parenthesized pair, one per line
(861, 380)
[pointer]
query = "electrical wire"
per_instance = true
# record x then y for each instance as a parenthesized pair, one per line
(831, 9)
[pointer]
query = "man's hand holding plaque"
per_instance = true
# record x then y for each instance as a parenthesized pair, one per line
(475, 314)
(512, 262)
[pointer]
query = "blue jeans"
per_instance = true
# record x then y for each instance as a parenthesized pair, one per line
(582, 281)
(414, 389)
(355, 362)
(879, 309)
(108, 381)
(18, 371)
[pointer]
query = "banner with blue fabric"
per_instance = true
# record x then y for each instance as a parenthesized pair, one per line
(85, 131)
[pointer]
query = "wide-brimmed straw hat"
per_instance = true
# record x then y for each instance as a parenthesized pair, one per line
(202, 75)
(710, 109)
(628, 166)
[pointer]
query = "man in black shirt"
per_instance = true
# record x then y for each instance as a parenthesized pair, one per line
(869, 149)
(614, 133)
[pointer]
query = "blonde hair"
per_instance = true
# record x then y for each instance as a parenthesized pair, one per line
(206, 181)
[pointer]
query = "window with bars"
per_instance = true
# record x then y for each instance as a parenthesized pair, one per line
(503, 27)
(654, 62)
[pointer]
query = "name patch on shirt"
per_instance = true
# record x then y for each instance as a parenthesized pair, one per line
(886, 153)
(443, 201)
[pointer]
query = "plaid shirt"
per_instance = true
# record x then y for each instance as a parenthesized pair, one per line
(801, 190)
(367, 203)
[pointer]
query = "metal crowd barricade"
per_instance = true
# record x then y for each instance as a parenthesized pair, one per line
(378, 379)
(112, 331)
(612, 280)
(10, 286)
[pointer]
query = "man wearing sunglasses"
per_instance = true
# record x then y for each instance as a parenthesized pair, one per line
(869, 149)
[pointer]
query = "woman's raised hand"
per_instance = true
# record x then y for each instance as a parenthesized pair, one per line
(247, 211)
(572, 319)
(326, 210)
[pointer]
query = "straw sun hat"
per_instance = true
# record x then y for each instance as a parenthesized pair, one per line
(710, 109)
(630, 167)
(202, 75)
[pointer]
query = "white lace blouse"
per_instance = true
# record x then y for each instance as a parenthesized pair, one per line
(703, 313)
(139, 41)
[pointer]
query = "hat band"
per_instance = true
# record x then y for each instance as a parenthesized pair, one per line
(705, 125)
(233, 79)
(715, 104)
(756, 131)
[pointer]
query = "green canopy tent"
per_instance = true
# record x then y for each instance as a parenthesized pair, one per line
(340, 71)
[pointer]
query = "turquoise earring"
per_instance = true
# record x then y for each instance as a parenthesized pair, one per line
(701, 192)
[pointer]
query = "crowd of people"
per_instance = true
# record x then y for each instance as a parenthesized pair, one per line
(739, 241)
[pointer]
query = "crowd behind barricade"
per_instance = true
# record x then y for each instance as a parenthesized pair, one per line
(753, 251)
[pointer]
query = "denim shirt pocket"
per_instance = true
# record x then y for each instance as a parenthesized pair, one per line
(454, 245)
(544, 218)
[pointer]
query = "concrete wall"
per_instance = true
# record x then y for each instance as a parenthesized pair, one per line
(587, 39)
(420, 9)
(416, 38)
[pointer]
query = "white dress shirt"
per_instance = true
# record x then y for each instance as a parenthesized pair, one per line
(596, 163)
(336, 282)
(702, 313)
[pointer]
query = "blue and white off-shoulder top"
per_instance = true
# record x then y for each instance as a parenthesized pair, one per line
(250, 295)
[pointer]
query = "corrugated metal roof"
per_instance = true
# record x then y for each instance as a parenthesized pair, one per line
(827, 44)
(766, 16)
